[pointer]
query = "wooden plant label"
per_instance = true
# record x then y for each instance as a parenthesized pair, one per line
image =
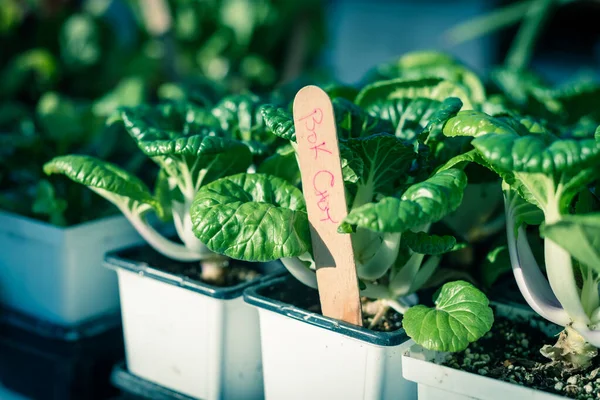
(323, 187)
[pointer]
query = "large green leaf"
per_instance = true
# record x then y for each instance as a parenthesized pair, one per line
(386, 160)
(180, 137)
(431, 64)
(579, 235)
(537, 153)
(461, 315)
(103, 177)
(353, 122)
(430, 88)
(422, 203)
(252, 217)
(409, 116)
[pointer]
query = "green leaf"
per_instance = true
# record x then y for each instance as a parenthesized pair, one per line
(431, 64)
(252, 217)
(579, 235)
(352, 164)
(422, 203)
(424, 243)
(537, 153)
(354, 122)
(409, 116)
(178, 138)
(385, 160)
(104, 178)
(474, 123)
(461, 315)
(241, 116)
(279, 122)
(282, 164)
(431, 88)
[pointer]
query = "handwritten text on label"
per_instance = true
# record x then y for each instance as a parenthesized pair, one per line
(322, 179)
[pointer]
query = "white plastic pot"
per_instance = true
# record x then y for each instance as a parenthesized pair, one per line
(437, 382)
(187, 336)
(308, 356)
(55, 274)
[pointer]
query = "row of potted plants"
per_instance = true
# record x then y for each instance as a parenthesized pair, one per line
(66, 67)
(449, 182)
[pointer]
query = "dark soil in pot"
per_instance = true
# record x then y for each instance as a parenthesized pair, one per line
(301, 296)
(235, 273)
(511, 352)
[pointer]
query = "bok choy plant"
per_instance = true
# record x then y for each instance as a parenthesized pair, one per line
(390, 144)
(550, 179)
(193, 146)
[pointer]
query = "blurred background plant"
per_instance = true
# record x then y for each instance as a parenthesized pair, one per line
(66, 65)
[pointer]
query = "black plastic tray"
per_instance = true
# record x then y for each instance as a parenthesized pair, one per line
(134, 387)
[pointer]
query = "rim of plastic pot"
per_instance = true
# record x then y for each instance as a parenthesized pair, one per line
(136, 386)
(254, 296)
(118, 260)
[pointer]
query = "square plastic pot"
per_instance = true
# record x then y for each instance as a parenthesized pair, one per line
(190, 337)
(55, 274)
(437, 382)
(309, 356)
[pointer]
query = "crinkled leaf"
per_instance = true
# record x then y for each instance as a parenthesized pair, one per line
(168, 121)
(537, 153)
(385, 159)
(252, 217)
(176, 134)
(279, 121)
(431, 88)
(432, 64)
(409, 116)
(461, 315)
(474, 123)
(424, 243)
(353, 122)
(352, 164)
(241, 116)
(102, 176)
(422, 203)
(579, 235)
